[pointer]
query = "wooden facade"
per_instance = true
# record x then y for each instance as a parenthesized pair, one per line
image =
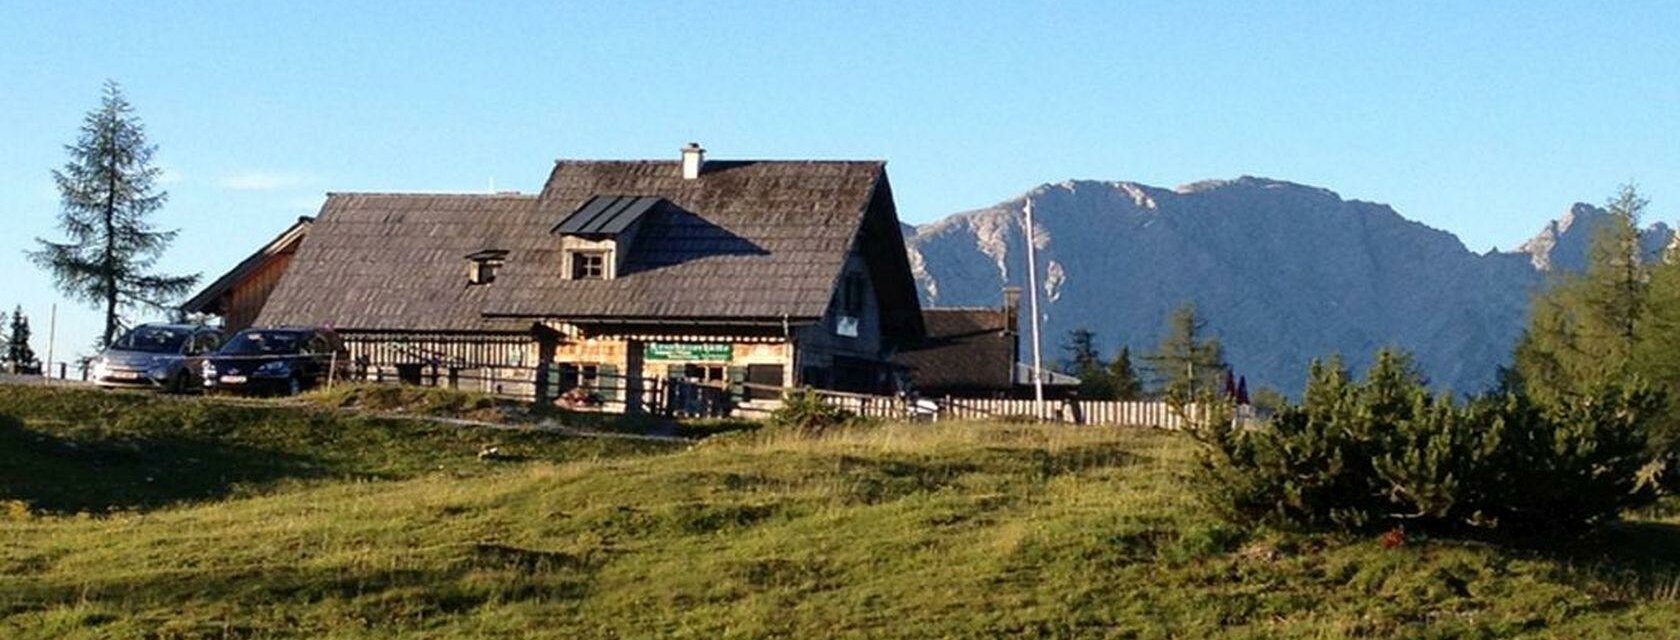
(244, 302)
(238, 297)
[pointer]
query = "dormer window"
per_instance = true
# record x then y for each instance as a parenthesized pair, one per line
(589, 265)
(482, 266)
(595, 238)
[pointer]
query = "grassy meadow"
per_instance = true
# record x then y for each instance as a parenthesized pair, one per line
(124, 515)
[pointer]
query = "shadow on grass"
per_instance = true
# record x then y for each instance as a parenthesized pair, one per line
(67, 474)
(1629, 560)
(433, 587)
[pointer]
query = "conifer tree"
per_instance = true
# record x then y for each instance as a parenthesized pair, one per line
(1081, 349)
(1590, 326)
(18, 355)
(1084, 361)
(1189, 361)
(1127, 384)
(107, 193)
(1657, 353)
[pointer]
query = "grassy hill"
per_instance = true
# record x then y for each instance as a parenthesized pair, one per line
(297, 522)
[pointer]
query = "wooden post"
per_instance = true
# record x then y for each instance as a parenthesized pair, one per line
(633, 377)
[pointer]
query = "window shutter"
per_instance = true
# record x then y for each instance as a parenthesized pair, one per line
(608, 383)
(736, 376)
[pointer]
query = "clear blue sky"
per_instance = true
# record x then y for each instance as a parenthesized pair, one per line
(1482, 118)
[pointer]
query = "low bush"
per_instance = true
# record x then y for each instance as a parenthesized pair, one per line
(805, 410)
(1383, 452)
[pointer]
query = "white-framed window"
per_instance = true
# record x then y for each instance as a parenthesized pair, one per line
(589, 265)
(483, 271)
(483, 266)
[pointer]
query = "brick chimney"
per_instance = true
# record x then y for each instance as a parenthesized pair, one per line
(1011, 309)
(693, 158)
(1012, 325)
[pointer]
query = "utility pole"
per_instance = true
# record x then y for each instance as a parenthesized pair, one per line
(1032, 305)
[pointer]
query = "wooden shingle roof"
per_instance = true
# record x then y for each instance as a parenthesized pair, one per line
(965, 349)
(398, 261)
(745, 240)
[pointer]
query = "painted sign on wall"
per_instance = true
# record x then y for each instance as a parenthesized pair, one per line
(689, 351)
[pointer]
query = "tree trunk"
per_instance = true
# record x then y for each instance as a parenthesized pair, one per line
(109, 266)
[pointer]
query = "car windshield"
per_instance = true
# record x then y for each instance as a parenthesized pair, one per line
(152, 340)
(264, 343)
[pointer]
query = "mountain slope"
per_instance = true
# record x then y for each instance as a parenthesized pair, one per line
(1283, 272)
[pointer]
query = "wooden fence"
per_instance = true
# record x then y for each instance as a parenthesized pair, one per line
(675, 398)
(1156, 414)
(1149, 413)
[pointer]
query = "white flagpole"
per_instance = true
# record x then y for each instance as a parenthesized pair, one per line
(1032, 304)
(52, 341)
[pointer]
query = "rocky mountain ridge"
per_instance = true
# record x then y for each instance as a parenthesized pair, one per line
(1283, 272)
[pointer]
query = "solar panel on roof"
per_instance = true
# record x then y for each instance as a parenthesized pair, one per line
(607, 215)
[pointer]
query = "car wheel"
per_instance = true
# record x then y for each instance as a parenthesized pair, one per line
(177, 384)
(294, 386)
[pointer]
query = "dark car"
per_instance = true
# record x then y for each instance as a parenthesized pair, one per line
(156, 356)
(285, 360)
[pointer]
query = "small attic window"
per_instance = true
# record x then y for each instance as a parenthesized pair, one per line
(482, 266)
(589, 265)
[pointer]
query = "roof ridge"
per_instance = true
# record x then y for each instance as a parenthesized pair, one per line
(723, 160)
(435, 194)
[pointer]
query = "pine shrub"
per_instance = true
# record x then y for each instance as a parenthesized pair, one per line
(1381, 452)
(805, 410)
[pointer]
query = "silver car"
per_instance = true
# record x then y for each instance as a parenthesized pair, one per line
(157, 356)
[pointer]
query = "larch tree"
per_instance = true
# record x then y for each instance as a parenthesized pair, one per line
(1188, 361)
(108, 192)
(1657, 353)
(1590, 326)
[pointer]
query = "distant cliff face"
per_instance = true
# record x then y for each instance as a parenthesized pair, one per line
(1283, 272)
(1563, 244)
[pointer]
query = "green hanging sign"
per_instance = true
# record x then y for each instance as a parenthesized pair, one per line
(689, 351)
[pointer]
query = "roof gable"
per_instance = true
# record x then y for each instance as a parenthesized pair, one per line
(208, 300)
